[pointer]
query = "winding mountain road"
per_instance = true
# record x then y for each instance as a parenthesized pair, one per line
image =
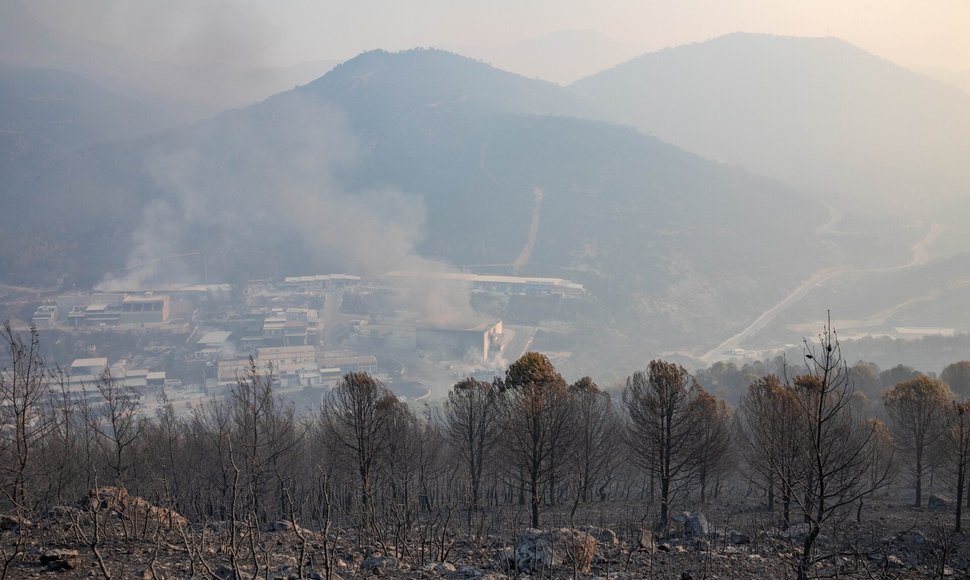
(921, 256)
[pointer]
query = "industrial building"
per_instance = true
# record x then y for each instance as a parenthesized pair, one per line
(478, 342)
(320, 282)
(505, 285)
(112, 309)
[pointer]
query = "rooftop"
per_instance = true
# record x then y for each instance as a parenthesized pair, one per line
(90, 362)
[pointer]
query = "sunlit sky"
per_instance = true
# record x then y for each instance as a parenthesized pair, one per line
(914, 33)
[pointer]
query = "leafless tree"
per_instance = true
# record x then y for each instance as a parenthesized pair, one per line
(956, 440)
(834, 442)
(470, 418)
(770, 435)
(116, 423)
(882, 460)
(663, 427)
(714, 455)
(355, 418)
(535, 420)
(917, 408)
(597, 430)
(24, 386)
(266, 436)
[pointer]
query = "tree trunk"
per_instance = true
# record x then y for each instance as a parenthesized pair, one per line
(919, 478)
(961, 476)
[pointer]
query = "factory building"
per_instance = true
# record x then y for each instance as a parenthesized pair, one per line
(505, 285)
(144, 309)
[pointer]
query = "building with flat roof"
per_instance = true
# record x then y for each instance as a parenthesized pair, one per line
(45, 317)
(89, 366)
(507, 285)
(479, 342)
(148, 308)
(292, 366)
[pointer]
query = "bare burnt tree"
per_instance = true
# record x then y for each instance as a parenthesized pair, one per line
(535, 420)
(398, 457)
(663, 427)
(24, 385)
(62, 447)
(714, 456)
(355, 419)
(770, 435)
(597, 430)
(917, 408)
(882, 459)
(209, 432)
(116, 424)
(470, 419)
(265, 437)
(834, 443)
(956, 440)
(165, 439)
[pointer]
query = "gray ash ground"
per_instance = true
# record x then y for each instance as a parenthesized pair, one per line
(743, 541)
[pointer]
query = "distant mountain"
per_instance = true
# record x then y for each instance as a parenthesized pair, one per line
(562, 57)
(380, 85)
(817, 113)
(52, 111)
(424, 159)
(190, 91)
(959, 78)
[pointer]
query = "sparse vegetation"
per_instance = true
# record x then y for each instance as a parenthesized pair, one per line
(366, 486)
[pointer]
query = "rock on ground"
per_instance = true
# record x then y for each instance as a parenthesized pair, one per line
(58, 560)
(117, 500)
(939, 504)
(544, 549)
(696, 526)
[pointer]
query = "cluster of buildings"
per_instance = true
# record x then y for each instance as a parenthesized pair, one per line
(210, 336)
(294, 367)
(147, 309)
(85, 374)
(475, 343)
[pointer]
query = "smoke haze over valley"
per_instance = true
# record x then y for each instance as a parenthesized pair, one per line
(713, 192)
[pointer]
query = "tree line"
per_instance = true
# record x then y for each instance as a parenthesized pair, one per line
(802, 438)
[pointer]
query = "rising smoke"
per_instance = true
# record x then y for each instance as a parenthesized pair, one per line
(257, 182)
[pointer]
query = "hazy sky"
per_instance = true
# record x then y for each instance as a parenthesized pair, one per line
(913, 33)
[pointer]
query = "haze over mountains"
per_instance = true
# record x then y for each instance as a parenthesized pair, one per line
(185, 92)
(435, 161)
(562, 57)
(815, 112)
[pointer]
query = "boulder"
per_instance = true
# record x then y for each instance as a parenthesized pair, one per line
(505, 558)
(284, 526)
(468, 572)
(117, 501)
(797, 533)
(680, 518)
(379, 564)
(646, 541)
(912, 539)
(58, 560)
(223, 572)
(12, 523)
(738, 538)
(939, 504)
(603, 536)
(544, 549)
(62, 512)
(696, 526)
(444, 568)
